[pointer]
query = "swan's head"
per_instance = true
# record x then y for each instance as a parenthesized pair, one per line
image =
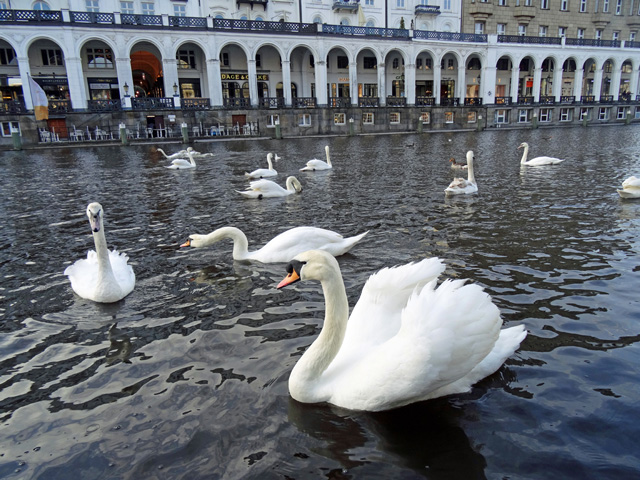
(295, 183)
(94, 212)
(470, 156)
(189, 149)
(311, 265)
(523, 145)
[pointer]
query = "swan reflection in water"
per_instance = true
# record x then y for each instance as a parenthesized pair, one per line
(425, 437)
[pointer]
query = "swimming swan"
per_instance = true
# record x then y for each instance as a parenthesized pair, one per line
(534, 162)
(405, 341)
(315, 164)
(264, 172)
(104, 276)
(266, 188)
(460, 186)
(283, 247)
(182, 164)
(173, 156)
(630, 188)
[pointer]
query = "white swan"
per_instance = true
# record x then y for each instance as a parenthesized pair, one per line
(460, 186)
(316, 164)
(405, 341)
(104, 276)
(454, 164)
(266, 188)
(630, 188)
(264, 172)
(534, 162)
(173, 156)
(283, 247)
(277, 157)
(181, 163)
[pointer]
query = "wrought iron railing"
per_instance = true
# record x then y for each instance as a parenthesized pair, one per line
(188, 22)
(237, 102)
(427, 10)
(588, 99)
(503, 101)
(104, 105)
(529, 40)
(258, 25)
(365, 31)
(59, 106)
(473, 101)
(304, 102)
(396, 102)
(152, 103)
(527, 100)
(134, 19)
(30, 16)
(606, 98)
(368, 102)
(547, 100)
(92, 17)
(195, 103)
(450, 102)
(425, 101)
(339, 102)
(346, 5)
(450, 36)
(630, 44)
(272, 102)
(12, 107)
(591, 42)
(566, 99)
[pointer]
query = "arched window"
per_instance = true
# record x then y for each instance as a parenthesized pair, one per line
(219, 16)
(317, 20)
(243, 17)
(344, 21)
(41, 6)
(370, 24)
(259, 19)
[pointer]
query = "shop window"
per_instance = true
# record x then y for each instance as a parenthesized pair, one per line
(546, 115)
(472, 117)
(621, 113)
(272, 120)
(566, 114)
(368, 118)
(186, 59)
(502, 116)
(637, 113)
(339, 118)
(425, 118)
(6, 128)
(394, 118)
(304, 120)
(584, 113)
(603, 113)
(524, 116)
(448, 117)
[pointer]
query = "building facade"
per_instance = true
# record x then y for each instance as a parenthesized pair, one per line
(246, 62)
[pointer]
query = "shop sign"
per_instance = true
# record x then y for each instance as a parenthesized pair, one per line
(261, 77)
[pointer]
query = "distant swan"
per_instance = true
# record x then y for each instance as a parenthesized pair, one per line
(460, 186)
(104, 276)
(406, 340)
(315, 164)
(534, 162)
(181, 163)
(283, 247)
(630, 188)
(264, 172)
(173, 156)
(455, 164)
(266, 188)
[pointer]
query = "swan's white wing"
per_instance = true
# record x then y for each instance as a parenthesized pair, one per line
(122, 271)
(544, 161)
(631, 182)
(265, 186)
(262, 172)
(315, 164)
(84, 276)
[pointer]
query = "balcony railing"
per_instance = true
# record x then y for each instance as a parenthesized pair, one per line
(98, 106)
(148, 20)
(567, 99)
(525, 100)
(396, 102)
(304, 102)
(152, 103)
(449, 36)
(427, 10)
(529, 40)
(400, 33)
(31, 16)
(12, 107)
(93, 17)
(346, 5)
(237, 102)
(195, 103)
(606, 98)
(588, 99)
(591, 42)
(547, 100)
(59, 106)
(368, 102)
(262, 26)
(473, 101)
(188, 22)
(450, 102)
(425, 101)
(503, 100)
(272, 102)
(339, 102)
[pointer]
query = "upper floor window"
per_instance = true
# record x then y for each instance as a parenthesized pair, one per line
(186, 59)
(317, 20)
(148, 8)
(99, 58)
(179, 10)
(400, 3)
(479, 29)
(92, 5)
(522, 30)
(616, 36)
(618, 7)
(542, 32)
(370, 63)
(562, 32)
(581, 33)
(369, 2)
(446, 5)
(544, 4)
(583, 6)
(632, 36)
(564, 5)
(501, 29)
(598, 34)
(343, 62)
(605, 5)
(502, 3)
(41, 6)
(126, 8)
(3, 5)
(51, 57)
(7, 56)
(395, 64)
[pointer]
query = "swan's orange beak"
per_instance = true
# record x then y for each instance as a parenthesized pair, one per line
(289, 279)
(186, 244)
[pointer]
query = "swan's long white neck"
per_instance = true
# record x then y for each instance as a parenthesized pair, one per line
(324, 349)
(326, 150)
(470, 174)
(102, 253)
(191, 159)
(240, 242)
(291, 185)
(524, 155)
(269, 162)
